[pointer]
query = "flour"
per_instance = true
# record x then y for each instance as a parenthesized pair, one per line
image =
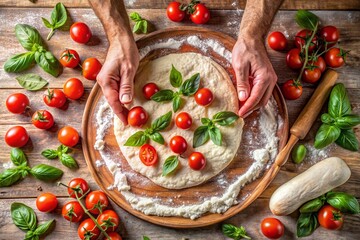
(170, 43)
(7, 165)
(314, 155)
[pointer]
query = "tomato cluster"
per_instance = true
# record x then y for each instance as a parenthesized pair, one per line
(199, 13)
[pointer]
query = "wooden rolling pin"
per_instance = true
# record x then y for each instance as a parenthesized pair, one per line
(308, 115)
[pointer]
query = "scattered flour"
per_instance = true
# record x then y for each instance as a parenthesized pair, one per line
(316, 155)
(7, 165)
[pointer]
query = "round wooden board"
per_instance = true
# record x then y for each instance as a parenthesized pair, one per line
(247, 195)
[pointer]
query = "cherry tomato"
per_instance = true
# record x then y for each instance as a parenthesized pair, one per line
(301, 37)
(148, 155)
(17, 103)
(16, 136)
(42, 119)
(54, 98)
(197, 161)
(68, 136)
(69, 58)
(90, 68)
(277, 41)
(335, 57)
(150, 89)
(201, 14)
(272, 228)
(96, 200)
(80, 32)
(290, 90)
(204, 97)
(174, 12)
(109, 220)
(330, 34)
(46, 202)
(178, 144)
(87, 230)
(114, 236)
(137, 116)
(330, 217)
(73, 88)
(293, 59)
(72, 211)
(183, 120)
(80, 184)
(311, 75)
(320, 63)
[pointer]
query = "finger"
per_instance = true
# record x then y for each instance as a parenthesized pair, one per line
(119, 110)
(126, 87)
(251, 103)
(266, 97)
(242, 81)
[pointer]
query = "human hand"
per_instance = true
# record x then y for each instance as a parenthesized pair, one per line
(116, 77)
(250, 61)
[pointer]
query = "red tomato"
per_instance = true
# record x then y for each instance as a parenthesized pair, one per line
(69, 58)
(114, 236)
(178, 144)
(183, 120)
(109, 220)
(72, 211)
(197, 161)
(320, 63)
(17, 103)
(277, 41)
(16, 136)
(73, 88)
(330, 217)
(201, 14)
(88, 230)
(330, 34)
(150, 89)
(311, 75)
(95, 201)
(68, 136)
(148, 155)
(80, 32)
(272, 228)
(293, 59)
(137, 116)
(46, 202)
(42, 119)
(80, 184)
(204, 97)
(335, 57)
(290, 90)
(90, 68)
(302, 36)
(54, 98)
(174, 12)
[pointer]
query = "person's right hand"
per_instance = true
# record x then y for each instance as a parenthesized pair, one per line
(116, 77)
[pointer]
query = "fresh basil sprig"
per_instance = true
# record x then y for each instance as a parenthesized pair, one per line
(186, 88)
(31, 82)
(209, 130)
(170, 164)
(234, 232)
(24, 218)
(58, 19)
(141, 137)
(346, 203)
(141, 25)
(61, 153)
(306, 224)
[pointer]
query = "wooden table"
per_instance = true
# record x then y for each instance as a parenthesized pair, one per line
(226, 16)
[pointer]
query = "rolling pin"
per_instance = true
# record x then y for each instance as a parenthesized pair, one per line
(308, 115)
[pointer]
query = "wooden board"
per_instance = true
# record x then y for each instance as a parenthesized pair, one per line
(242, 162)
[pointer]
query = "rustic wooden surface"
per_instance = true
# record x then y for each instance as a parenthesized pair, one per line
(133, 228)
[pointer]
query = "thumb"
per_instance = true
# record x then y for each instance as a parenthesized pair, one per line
(242, 82)
(126, 89)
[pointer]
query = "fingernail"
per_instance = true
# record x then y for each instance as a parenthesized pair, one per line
(242, 95)
(125, 98)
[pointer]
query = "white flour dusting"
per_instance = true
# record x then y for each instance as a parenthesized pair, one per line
(7, 165)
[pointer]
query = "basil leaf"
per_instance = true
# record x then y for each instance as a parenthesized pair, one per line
(298, 153)
(143, 26)
(234, 232)
(161, 122)
(312, 206)
(46, 23)
(27, 36)
(31, 82)
(306, 224)
(215, 135)
(347, 121)
(176, 103)
(170, 165)
(163, 96)
(225, 118)
(9, 177)
(137, 139)
(62, 149)
(135, 16)
(48, 62)
(191, 85)
(50, 154)
(19, 62)
(157, 137)
(348, 140)
(137, 27)
(306, 19)
(146, 238)
(326, 135)
(30, 236)
(44, 227)
(205, 121)
(339, 103)
(68, 161)
(23, 216)
(18, 157)
(201, 136)
(346, 203)
(327, 118)
(58, 15)
(46, 173)
(175, 77)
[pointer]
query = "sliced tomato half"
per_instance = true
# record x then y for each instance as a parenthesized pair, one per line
(148, 155)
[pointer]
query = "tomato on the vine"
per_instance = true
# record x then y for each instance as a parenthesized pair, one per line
(108, 220)
(311, 75)
(150, 89)
(197, 161)
(174, 12)
(293, 59)
(114, 236)
(178, 144)
(42, 119)
(320, 63)
(137, 116)
(148, 155)
(204, 97)
(72, 211)
(73, 88)
(335, 57)
(68, 136)
(88, 230)
(272, 228)
(95, 201)
(91, 68)
(80, 32)
(69, 58)
(16, 136)
(54, 98)
(330, 217)
(81, 186)
(302, 36)
(291, 90)
(330, 34)
(183, 120)
(17, 103)
(199, 14)
(277, 41)
(46, 202)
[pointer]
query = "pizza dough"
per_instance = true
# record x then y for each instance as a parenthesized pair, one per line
(212, 76)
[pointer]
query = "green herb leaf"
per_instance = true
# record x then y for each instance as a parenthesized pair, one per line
(326, 135)
(225, 118)
(163, 96)
(306, 224)
(206, 121)
(58, 15)
(46, 173)
(298, 153)
(31, 81)
(170, 165)
(18, 157)
(23, 216)
(30, 236)
(157, 137)
(68, 161)
(27, 36)
(50, 154)
(191, 85)
(161, 122)
(146, 238)
(137, 139)
(234, 232)
(327, 118)
(339, 103)
(201, 136)
(347, 121)
(48, 62)
(143, 26)
(348, 140)
(19, 62)
(44, 227)
(135, 17)
(215, 135)
(312, 206)
(9, 177)
(175, 77)
(306, 19)
(62, 149)
(137, 27)
(176, 103)
(46, 23)
(346, 203)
